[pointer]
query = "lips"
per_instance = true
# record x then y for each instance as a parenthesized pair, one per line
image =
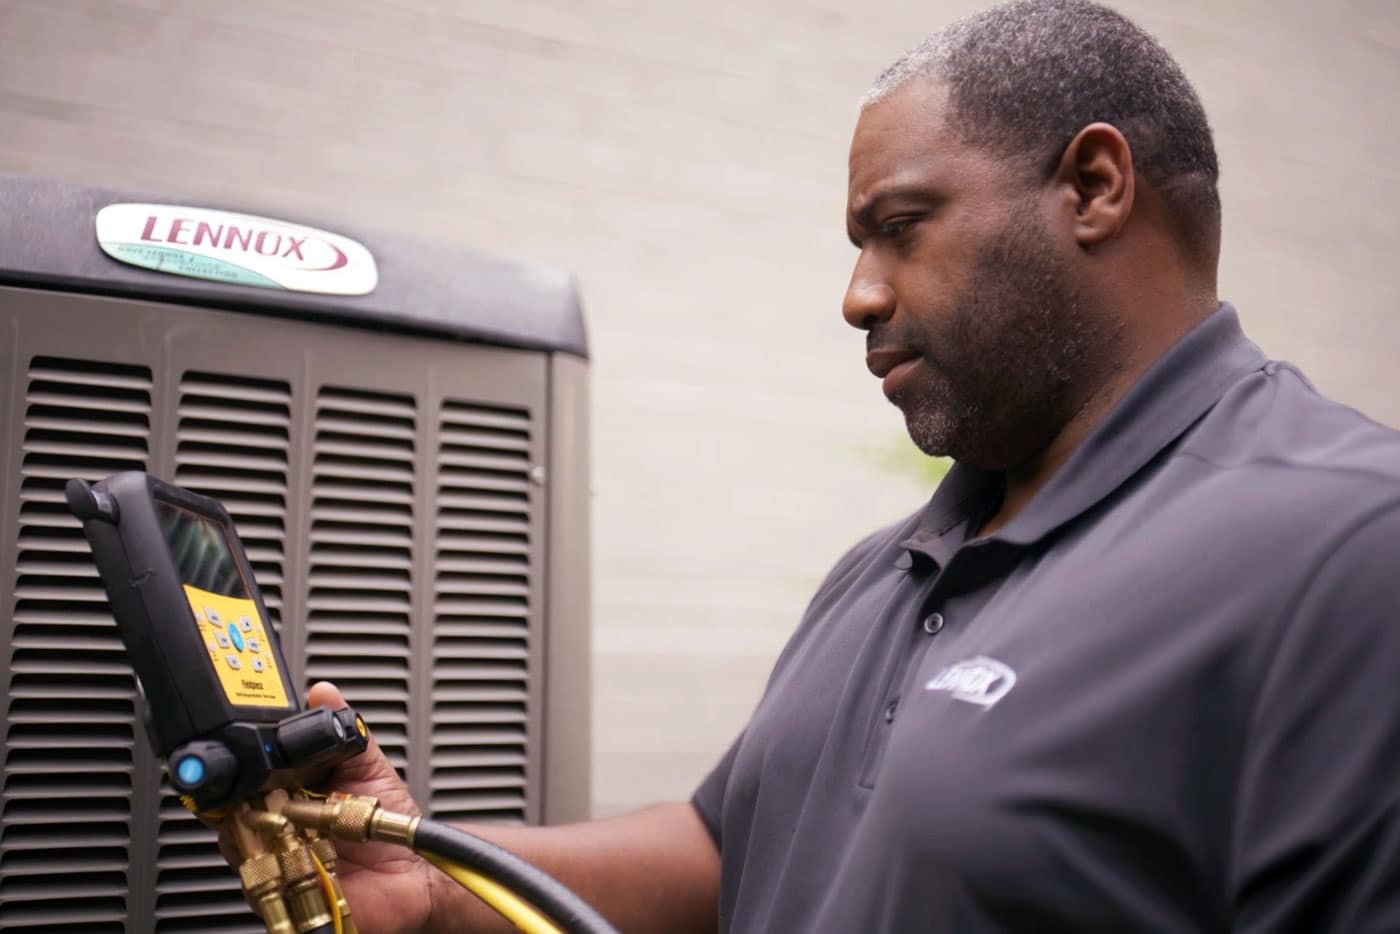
(880, 362)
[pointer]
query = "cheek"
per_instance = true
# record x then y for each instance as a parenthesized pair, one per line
(939, 265)
(929, 290)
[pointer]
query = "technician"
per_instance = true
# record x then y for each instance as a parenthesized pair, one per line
(1136, 665)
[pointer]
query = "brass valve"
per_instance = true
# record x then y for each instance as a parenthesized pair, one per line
(280, 872)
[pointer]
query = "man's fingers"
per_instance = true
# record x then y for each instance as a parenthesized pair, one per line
(325, 694)
(370, 768)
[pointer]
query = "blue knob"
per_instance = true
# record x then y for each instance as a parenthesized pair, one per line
(236, 636)
(190, 771)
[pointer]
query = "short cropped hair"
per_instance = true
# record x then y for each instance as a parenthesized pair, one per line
(1025, 77)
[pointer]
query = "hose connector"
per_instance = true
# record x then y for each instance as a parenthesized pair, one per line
(393, 827)
(262, 883)
(306, 901)
(356, 818)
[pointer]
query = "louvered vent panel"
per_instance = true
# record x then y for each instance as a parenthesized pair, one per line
(232, 442)
(71, 718)
(359, 585)
(481, 613)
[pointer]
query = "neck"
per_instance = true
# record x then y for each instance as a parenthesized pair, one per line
(1141, 349)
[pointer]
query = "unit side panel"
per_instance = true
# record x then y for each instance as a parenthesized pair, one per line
(568, 675)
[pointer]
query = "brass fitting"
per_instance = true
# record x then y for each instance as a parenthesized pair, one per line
(345, 817)
(244, 836)
(325, 852)
(274, 824)
(262, 883)
(392, 827)
(356, 818)
(306, 902)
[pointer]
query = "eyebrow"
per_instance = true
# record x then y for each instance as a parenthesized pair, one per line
(864, 219)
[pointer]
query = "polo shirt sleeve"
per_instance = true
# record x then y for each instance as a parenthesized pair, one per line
(1316, 840)
(708, 799)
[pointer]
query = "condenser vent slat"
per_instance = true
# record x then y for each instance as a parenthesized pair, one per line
(459, 415)
(253, 443)
(448, 606)
(482, 648)
(455, 698)
(505, 548)
(487, 523)
(70, 729)
(369, 559)
(235, 462)
(211, 412)
(359, 583)
(483, 711)
(250, 392)
(482, 629)
(488, 461)
(484, 506)
(33, 539)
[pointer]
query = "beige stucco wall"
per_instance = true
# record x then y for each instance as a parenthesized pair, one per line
(687, 161)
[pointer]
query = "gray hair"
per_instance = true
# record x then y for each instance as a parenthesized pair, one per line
(1025, 77)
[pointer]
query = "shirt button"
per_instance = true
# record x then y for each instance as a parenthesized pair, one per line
(933, 623)
(889, 711)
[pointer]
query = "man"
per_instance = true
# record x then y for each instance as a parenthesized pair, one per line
(1136, 666)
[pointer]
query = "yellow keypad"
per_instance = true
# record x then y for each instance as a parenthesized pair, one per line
(239, 648)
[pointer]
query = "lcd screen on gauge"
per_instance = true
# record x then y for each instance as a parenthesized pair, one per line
(201, 551)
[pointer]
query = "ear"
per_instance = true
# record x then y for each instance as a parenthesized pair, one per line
(1096, 172)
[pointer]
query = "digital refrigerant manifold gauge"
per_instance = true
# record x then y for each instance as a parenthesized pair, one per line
(220, 707)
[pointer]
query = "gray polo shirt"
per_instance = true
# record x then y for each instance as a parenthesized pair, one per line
(1165, 697)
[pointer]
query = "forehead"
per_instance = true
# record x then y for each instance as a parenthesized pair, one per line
(906, 140)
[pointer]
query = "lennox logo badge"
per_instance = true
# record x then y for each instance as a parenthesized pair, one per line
(979, 680)
(238, 248)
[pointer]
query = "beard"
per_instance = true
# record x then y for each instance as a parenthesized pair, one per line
(1010, 361)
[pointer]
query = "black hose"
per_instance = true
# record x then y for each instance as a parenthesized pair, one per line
(529, 882)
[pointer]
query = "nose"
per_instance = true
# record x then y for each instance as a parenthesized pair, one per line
(869, 300)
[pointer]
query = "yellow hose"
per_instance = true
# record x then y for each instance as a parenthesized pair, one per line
(331, 901)
(506, 903)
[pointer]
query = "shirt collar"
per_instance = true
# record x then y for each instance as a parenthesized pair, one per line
(1180, 387)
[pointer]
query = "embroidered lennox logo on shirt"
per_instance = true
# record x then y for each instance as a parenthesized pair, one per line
(980, 680)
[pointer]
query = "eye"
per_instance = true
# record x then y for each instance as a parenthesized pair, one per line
(897, 226)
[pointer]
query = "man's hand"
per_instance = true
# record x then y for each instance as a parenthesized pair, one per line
(656, 869)
(387, 886)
